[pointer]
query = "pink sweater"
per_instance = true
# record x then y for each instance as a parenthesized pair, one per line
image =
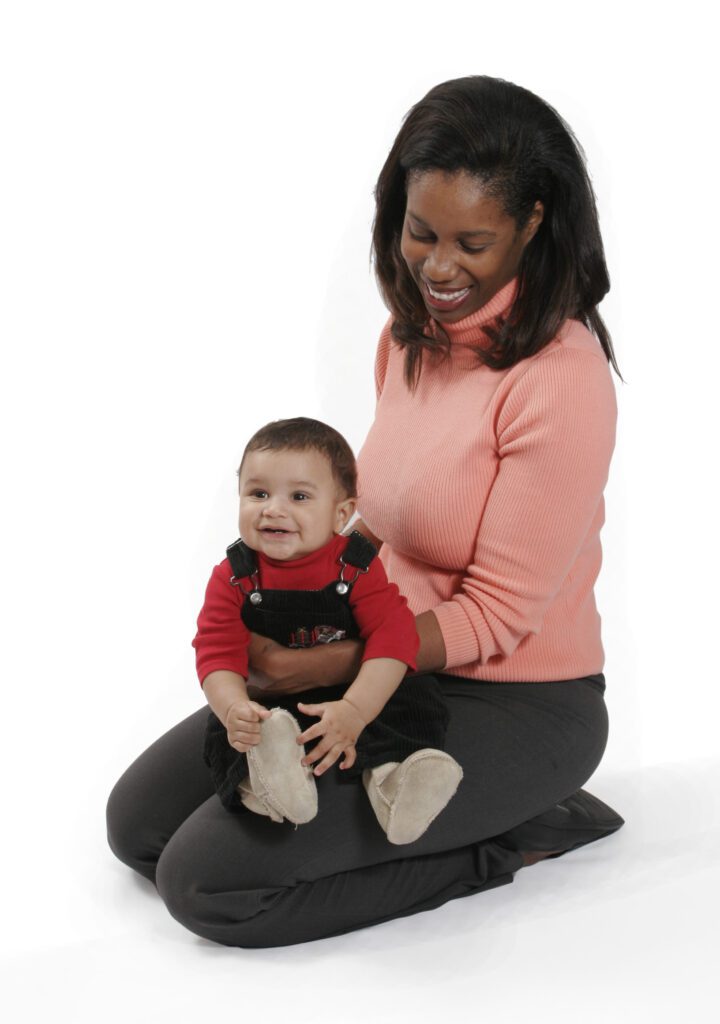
(487, 488)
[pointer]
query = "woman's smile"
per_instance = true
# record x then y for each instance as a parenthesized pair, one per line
(444, 300)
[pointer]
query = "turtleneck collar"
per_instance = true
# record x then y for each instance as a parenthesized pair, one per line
(469, 330)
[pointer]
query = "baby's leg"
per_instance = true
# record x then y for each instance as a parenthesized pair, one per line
(407, 797)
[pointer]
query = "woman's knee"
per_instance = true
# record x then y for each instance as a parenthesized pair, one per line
(130, 834)
(204, 903)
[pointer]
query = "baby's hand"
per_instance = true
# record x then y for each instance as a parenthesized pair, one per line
(340, 725)
(243, 724)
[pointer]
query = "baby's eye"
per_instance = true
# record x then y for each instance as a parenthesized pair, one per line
(257, 493)
(300, 496)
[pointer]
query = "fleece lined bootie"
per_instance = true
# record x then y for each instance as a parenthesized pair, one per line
(254, 803)
(277, 779)
(407, 797)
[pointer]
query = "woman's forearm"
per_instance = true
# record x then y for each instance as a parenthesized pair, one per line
(431, 656)
(283, 669)
(277, 669)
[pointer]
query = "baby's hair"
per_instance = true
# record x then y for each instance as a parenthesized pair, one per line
(301, 434)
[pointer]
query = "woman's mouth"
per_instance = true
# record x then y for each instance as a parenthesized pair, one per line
(446, 300)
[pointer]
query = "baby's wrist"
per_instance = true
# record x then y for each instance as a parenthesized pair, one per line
(360, 712)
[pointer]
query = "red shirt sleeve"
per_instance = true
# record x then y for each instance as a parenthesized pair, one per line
(222, 637)
(385, 622)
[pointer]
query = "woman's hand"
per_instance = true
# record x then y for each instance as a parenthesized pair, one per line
(339, 726)
(279, 670)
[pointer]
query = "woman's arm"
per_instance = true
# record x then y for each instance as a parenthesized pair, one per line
(281, 670)
(556, 432)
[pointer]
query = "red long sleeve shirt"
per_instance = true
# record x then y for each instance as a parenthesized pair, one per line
(383, 618)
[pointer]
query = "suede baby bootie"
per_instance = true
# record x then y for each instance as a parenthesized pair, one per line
(407, 797)
(277, 780)
(254, 803)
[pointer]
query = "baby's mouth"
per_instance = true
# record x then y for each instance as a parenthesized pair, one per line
(272, 530)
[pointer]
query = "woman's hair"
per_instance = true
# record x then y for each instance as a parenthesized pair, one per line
(522, 151)
(301, 434)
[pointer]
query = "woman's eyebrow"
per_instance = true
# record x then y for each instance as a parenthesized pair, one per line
(463, 234)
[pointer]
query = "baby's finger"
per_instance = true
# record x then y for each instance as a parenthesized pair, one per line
(311, 709)
(240, 736)
(350, 757)
(329, 760)
(240, 725)
(262, 712)
(318, 751)
(311, 733)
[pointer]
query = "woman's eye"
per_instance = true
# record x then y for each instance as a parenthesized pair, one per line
(420, 238)
(472, 250)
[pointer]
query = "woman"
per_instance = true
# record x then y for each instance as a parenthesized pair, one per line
(483, 475)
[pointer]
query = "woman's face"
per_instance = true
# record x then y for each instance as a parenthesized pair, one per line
(460, 246)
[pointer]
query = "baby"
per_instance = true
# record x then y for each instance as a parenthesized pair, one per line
(293, 577)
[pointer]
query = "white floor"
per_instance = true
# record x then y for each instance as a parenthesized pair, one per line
(623, 930)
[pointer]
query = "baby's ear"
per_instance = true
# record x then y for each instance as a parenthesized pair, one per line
(344, 513)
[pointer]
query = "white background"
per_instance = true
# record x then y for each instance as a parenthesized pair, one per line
(186, 200)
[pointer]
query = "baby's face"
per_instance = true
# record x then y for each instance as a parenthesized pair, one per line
(290, 503)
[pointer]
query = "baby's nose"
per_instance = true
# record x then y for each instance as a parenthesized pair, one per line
(276, 506)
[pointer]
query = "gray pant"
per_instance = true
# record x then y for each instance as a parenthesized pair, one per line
(243, 880)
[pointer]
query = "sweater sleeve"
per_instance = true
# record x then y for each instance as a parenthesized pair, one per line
(222, 639)
(385, 622)
(555, 434)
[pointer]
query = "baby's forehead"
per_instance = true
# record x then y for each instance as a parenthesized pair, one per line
(295, 466)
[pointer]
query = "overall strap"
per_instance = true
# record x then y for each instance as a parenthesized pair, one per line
(243, 559)
(359, 551)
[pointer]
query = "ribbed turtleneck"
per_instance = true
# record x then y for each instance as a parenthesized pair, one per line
(471, 329)
(487, 488)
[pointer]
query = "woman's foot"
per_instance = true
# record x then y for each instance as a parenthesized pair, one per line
(277, 778)
(576, 821)
(407, 797)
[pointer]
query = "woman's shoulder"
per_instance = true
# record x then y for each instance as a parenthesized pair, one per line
(574, 349)
(569, 376)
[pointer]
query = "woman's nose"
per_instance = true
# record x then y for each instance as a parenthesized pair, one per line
(440, 264)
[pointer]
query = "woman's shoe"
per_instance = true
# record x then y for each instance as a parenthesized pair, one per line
(407, 797)
(576, 821)
(277, 776)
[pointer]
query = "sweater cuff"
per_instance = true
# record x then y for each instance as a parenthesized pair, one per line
(462, 645)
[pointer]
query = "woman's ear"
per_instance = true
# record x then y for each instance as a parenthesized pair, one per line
(344, 513)
(534, 221)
